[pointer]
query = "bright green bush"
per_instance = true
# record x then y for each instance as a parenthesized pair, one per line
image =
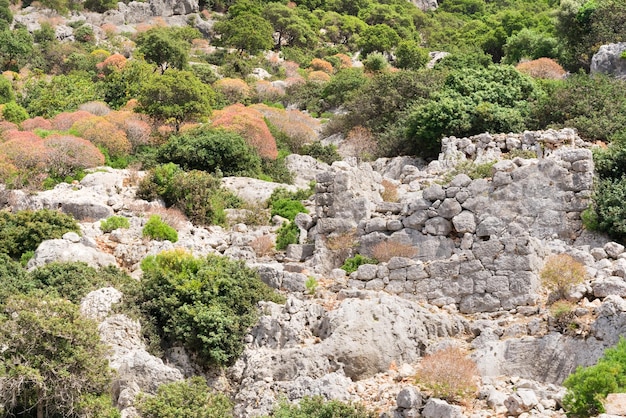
(73, 280)
(24, 230)
(287, 234)
(588, 386)
(211, 150)
(12, 112)
(114, 222)
(352, 264)
(282, 193)
(158, 230)
(318, 407)
(188, 398)
(325, 153)
(205, 304)
(287, 208)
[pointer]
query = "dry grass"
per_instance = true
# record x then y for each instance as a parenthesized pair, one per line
(449, 374)
(561, 272)
(171, 216)
(263, 246)
(386, 250)
(390, 191)
(342, 241)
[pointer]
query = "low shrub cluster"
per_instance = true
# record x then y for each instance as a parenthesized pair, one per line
(287, 208)
(318, 407)
(158, 230)
(114, 222)
(204, 304)
(561, 272)
(23, 231)
(448, 374)
(587, 387)
(386, 250)
(196, 193)
(287, 234)
(352, 264)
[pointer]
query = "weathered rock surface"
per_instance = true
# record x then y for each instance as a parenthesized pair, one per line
(608, 60)
(65, 250)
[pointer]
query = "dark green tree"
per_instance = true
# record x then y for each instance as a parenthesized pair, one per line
(246, 32)
(410, 56)
(164, 48)
(380, 38)
(16, 47)
(6, 90)
(291, 28)
(52, 361)
(176, 97)
(6, 17)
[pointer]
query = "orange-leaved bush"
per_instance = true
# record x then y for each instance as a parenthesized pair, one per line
(234, 90)
(300, 127)
(103, 133)
(319, 77)
(68, 154)
(138, 130)
(115, 62)
(318, 64)
(64, 121)
(265, 91)
(25, 150)
(542, 68)
(36, 123)
(346, 61)
(248, 123)
(96, 108)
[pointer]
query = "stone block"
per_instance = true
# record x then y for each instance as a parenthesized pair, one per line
(437, 408)
(438, 226)
(449, 208)
(299, 252)
(367, 272)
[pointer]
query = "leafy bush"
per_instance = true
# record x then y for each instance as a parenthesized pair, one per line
(449, 375)
(73, 280)
(287, 208)
(352, 264)
(561, 272)
(198, 194)
(287, 234)
(61, 358)
(12, 112)
(114, 222)
(318, 407)
(24, 230)
(282, 193)
(186, 398)
(13, 278)
(325, 153)
(211, 150)
(205, 304)
(156, 229)
(68, 155)
(588, 386)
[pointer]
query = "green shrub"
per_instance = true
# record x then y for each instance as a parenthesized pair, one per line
(114, 222)
(282, 193)
(24, 230)
(12, 112)
(318, 407)
(311, 285)
(287, 234)
(352, 264)
(158, 230)
(287, 208)
(211, 150)
(609, 200)
(275, 170)
(187, 398)
(13, 278)
(588, 386)
(325, 153)
(561, 272)
(73, 280)
(197, 193)
(205, 304)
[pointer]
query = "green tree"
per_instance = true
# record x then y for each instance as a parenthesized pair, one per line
(63, 93)
(409, 55)
(164, 47)
(176, 97)
(380, 38)
(342, 29)
(119, 86)
(15, 113)
(292, 29)
(211, 150)
(530, 44)
(16, 47)
(205, 304)
(52, 358)
(246, 32)
(188, 398)
(6, 17)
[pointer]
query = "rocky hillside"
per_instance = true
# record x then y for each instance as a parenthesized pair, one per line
(462, 261)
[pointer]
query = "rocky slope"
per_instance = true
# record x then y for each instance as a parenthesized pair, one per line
(473, 281)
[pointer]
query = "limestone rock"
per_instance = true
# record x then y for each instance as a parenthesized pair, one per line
(608, 60)
(97, 304)
(425, 5)
(253, 190)
(409, 398)
(305, 168)
(437, 408)
(62, 250)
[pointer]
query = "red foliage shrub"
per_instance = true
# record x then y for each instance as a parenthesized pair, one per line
(25, 150)
(95, 108)
(234, 90)
(266, 91)
(138, 131)
(101, 132)
(109, 30)
(542, 68)
(36, 123)
(318, 64)
(7, 169)
(68, 153)
(292, 81)
(6, 127)
(298, 126)
(291, 68)
(319, 76)
(115, 62)
(64, 121)
(346, 61)
(248, 123)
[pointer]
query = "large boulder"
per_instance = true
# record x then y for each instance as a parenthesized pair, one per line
(425, 5)
(65, 250)
(608, 60)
